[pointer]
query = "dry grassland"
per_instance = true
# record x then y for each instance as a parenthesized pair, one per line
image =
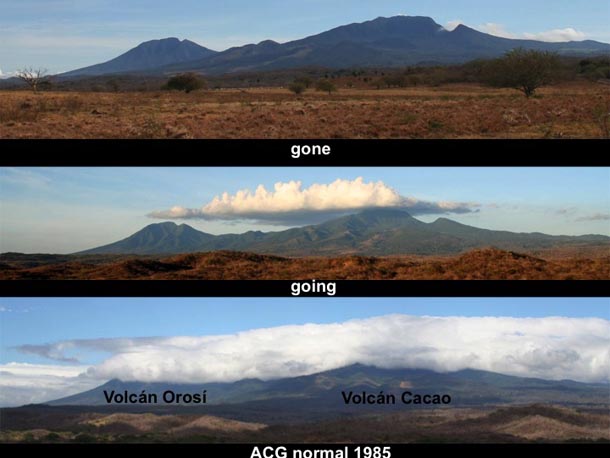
(451, 111)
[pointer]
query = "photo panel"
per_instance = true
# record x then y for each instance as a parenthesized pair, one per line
(304, 223)
(307, 370)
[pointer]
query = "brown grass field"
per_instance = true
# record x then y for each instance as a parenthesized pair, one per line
(487, 264)
(570, 110)
(503, 424)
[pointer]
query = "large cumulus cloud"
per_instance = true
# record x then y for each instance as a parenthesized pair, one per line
(291, 203)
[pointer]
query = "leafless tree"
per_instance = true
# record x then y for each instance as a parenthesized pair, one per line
(32, 77)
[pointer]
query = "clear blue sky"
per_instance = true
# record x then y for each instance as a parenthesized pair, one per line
(40, 321)
(64, 210)
(65, 34)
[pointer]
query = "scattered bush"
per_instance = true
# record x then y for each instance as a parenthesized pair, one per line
(297, 88)
(524, 70)
(186, 82)
(594, 69)
(395, 81)
(52, 437)
(601, 115)
(305, 81)
(325, 86)
(113, 85)
(84, 438)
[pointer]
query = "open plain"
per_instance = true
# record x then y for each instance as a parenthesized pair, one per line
(570, 110)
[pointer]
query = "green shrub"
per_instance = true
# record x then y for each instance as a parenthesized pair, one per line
(325, 86)
(186, 82)
(524, 70)
(297, 88)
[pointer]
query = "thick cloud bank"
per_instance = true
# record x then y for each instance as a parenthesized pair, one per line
(291, 203)
(550, 348)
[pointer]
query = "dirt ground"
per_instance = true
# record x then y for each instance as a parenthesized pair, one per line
(452, 111)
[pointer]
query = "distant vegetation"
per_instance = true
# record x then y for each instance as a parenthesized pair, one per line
(481, 71)
(297, 88)
(186, 82)
(524, 70)
(325, 86)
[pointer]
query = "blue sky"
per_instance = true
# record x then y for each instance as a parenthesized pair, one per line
(41, 321)
(62, 35)
(64, 210)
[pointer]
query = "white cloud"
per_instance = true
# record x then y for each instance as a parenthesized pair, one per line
(552, 36)
(6, 75)
(289, 202)
(550, 348)
(557, 35)
(22, 383)
(497, 30)
(451, 25)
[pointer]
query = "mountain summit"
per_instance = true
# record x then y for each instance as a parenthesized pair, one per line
(382, 42)
(147, 56)
(375, 232)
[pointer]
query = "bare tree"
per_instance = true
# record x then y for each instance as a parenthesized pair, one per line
(32, 77)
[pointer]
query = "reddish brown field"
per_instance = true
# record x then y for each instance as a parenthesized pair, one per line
(489, 264)
(451, 111)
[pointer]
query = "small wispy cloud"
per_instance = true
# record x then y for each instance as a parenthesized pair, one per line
(58, 351)
(451, 25)
(495, 29)
(23, 177)
(289, 203)
(595, 217)
(551, 36)
(566, 211)
(557, 35)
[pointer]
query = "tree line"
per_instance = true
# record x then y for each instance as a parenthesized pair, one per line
(523, 70)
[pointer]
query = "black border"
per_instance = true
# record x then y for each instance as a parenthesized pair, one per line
(245, 450)
(276, 153)
(282, 288)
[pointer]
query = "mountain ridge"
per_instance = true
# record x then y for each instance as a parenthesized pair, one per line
(466, 387)
(146, 56)
(383, 42)
(374, 232)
